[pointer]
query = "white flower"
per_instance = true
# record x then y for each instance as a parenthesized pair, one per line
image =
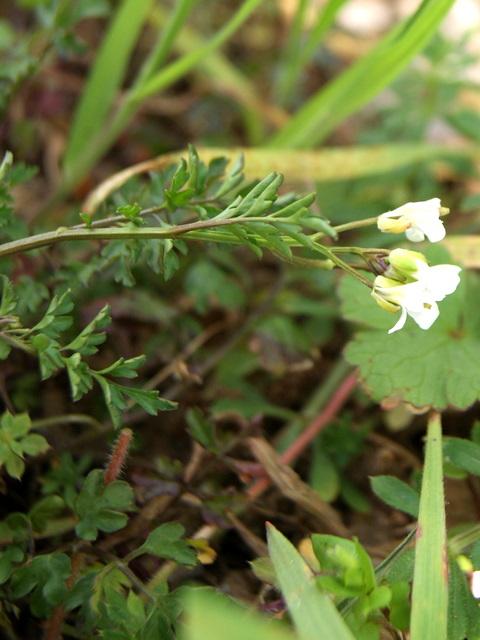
(417, 219)
(439, 281)
(417, 298)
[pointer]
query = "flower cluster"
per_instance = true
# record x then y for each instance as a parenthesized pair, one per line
(409, 284)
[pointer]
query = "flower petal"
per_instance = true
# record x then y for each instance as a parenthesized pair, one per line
(427, 316)
(401, 321)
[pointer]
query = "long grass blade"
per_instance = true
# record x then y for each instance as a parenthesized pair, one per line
(430, 579)
(298, 165)
(350, 91)
(297, 54)
(105, 79)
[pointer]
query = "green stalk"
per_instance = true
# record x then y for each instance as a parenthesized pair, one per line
(430, 579)
(200, 230)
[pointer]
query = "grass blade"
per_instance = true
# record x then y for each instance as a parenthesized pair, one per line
(430, 578)
(298, 53)
(345, 95)
(105, 79)
(314, 614)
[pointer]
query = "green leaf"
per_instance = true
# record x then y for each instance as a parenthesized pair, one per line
(202, 429)
(463, 453)
(122, 368)
(400, 605)
(347, 570)
(396, 493)
(165, 542)
(79, 375)
(55, 321)
(313, 613)
(45, 575)
(86, 341)
(208, 283)
(8, 559)
(44, 511)
(99, 507)
(9, 299)
(156, 626)
(16, 440)
(434, 368)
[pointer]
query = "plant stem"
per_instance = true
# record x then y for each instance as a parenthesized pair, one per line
(355, 224)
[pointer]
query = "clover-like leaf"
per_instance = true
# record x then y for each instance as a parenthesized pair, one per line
(45, 575)
(166, 542)
(16, 440)
(100, 507)
(434, 368)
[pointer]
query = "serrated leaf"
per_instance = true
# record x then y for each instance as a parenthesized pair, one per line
(434, 368)
(463, 453)
(396, 493)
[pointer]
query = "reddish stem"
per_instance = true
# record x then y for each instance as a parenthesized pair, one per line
(305, 438)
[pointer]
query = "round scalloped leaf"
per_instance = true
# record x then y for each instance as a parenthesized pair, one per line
(435, 368)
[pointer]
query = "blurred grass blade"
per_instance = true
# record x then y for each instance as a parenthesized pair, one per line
(430, 578)
(178, 68)
(354, 88)
(299, 166)
(173, 25)
(105, 78)
(212, 616)
(297, 53)
(313, 612)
